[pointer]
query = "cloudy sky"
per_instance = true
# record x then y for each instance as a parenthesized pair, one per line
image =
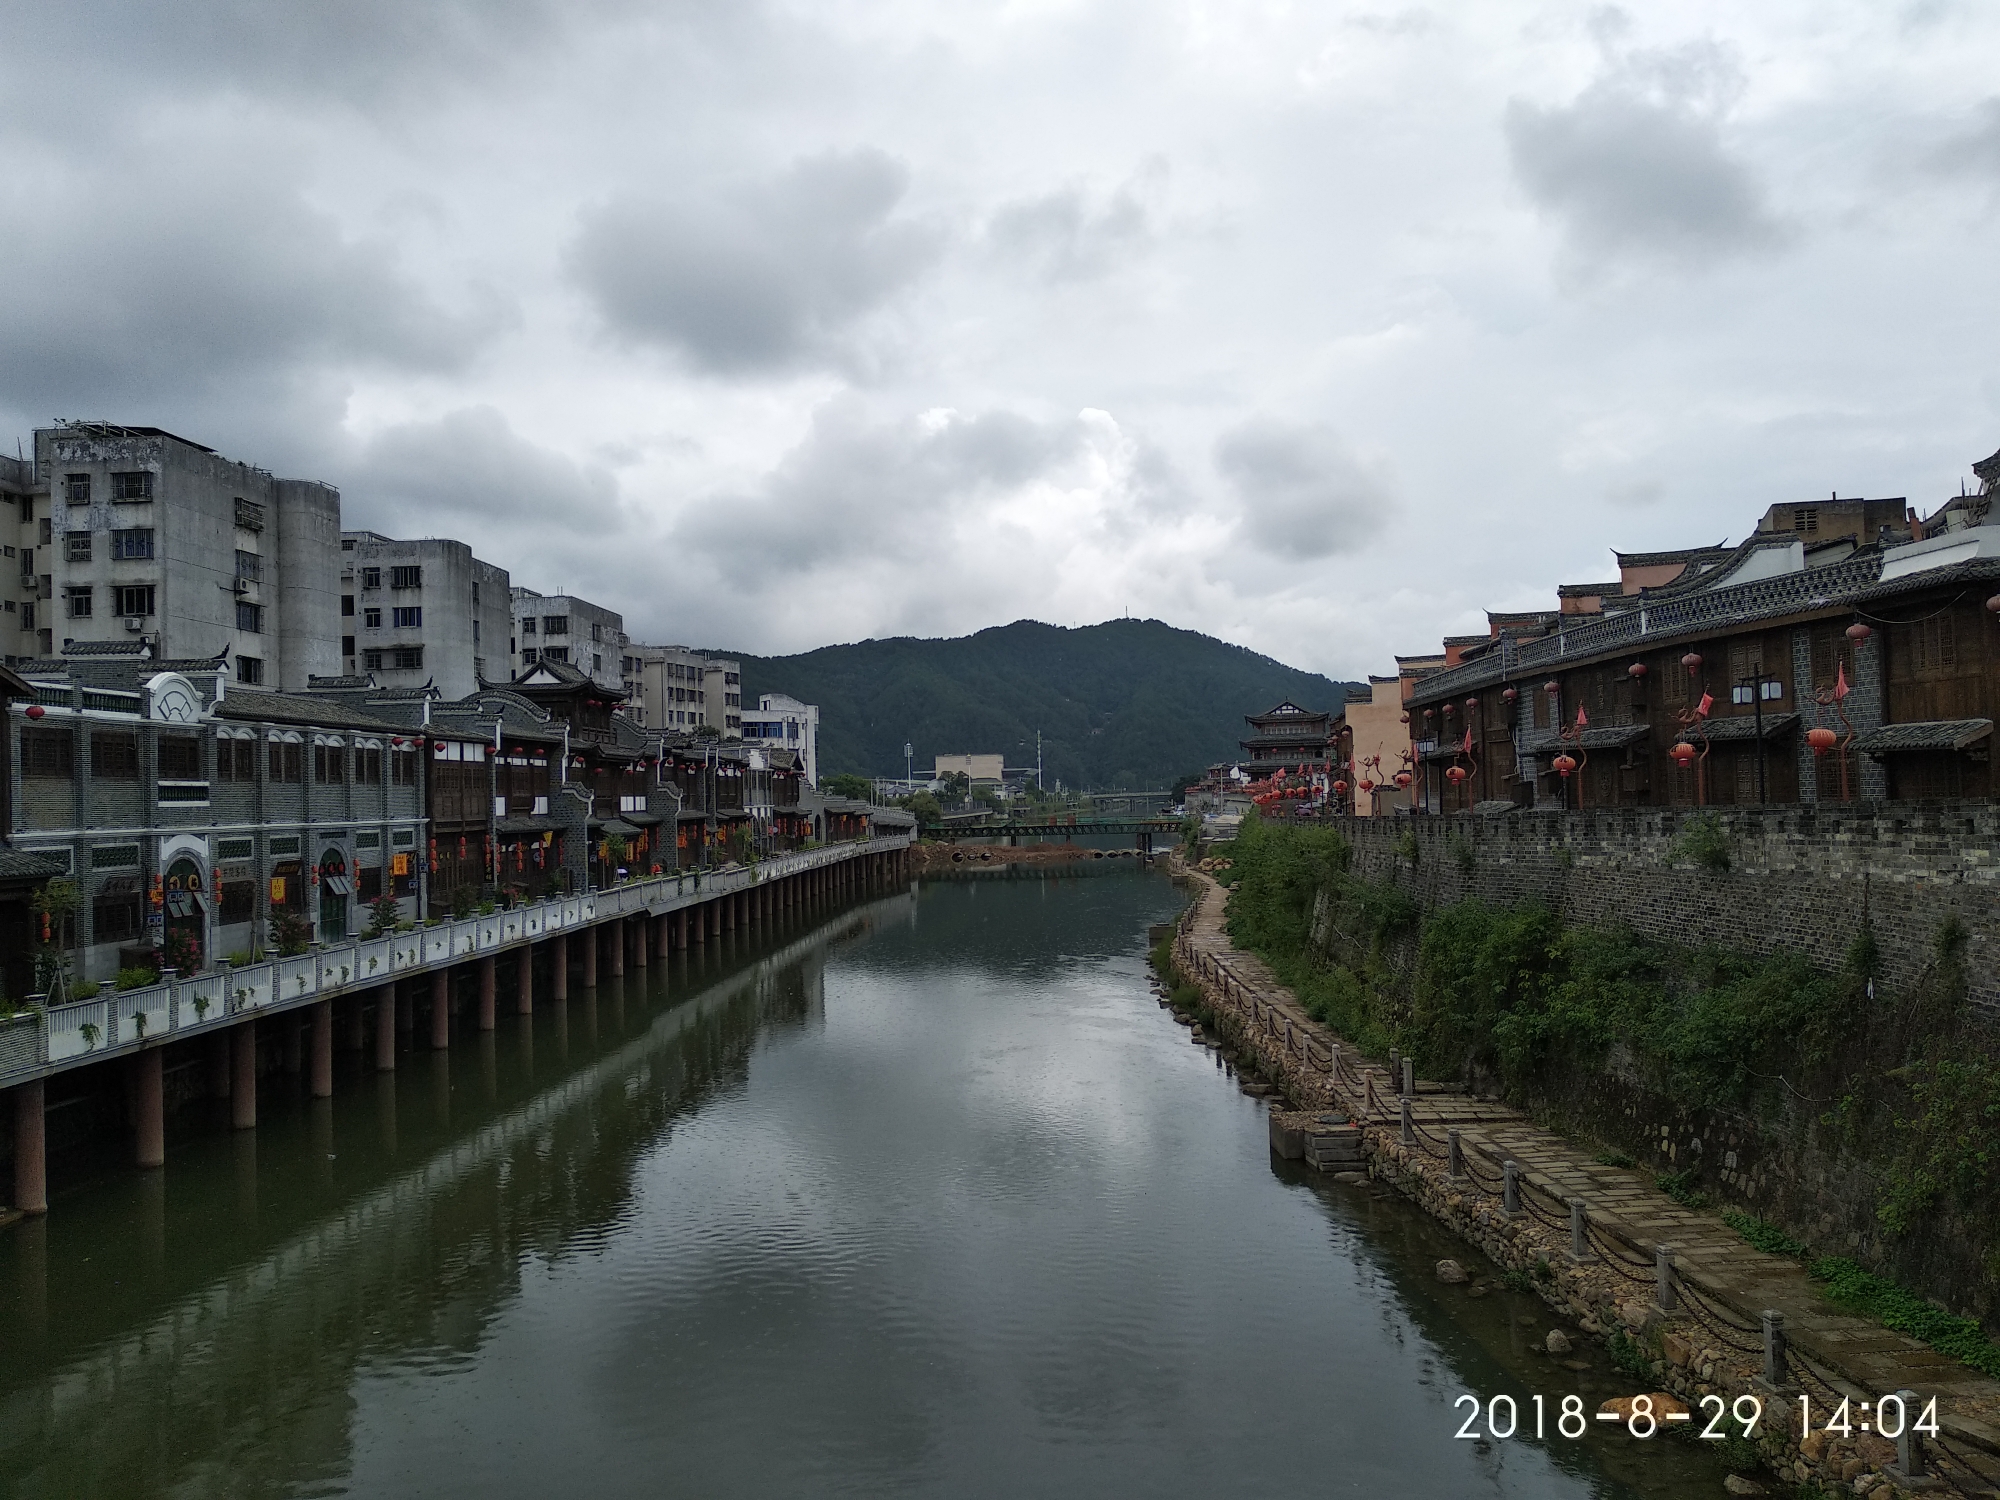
(1320, 327)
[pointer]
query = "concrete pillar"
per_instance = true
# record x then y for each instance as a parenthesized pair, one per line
(524, 983)
(243, 1076)
(590, 958)
(559, 962)
(385, 1028)
(642, 953)
(681, 929)
(31, 1171)
(322, 1050)
(149, 1125)
(616, 932)
(441, 1009)
(663, 936)
(489, 982)
(729, 913)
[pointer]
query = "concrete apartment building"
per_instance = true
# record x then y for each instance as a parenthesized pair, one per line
(133, 534)
(780, 722)
(676, 689)
(423, 611)
(20, 584)
(563, 628)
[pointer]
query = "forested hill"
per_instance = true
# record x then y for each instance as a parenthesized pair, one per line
(1132, 703)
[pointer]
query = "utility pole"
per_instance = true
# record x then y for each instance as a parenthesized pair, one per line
(1038, 763)
(908, 778)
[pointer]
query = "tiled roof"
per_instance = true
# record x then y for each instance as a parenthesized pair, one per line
(1744, 727)
(25, 864)
(295, 708)
(1936, 734)
(1680, 555)
(1617, 737)
(1589, 590)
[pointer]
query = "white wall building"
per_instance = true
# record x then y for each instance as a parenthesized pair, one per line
(413, 612)
(564, 628)
(783, 723)
(676, 689)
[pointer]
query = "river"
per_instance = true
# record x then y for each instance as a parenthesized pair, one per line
(931, 1198)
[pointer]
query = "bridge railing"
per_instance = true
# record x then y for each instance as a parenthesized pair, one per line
(62, 1035)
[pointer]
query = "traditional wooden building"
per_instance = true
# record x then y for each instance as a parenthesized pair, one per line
(1286, 737)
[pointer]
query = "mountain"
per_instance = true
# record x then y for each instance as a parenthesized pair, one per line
(1128, 703)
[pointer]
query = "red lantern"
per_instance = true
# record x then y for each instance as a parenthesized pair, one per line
(1472, 705)
(1564, 765)
(1683, 754)
(1821, 739)
(1692, 661)
(1449, 710)
(1636, 670)
(1405, 719)
(1367, 785)
(35, 710)
(1402, 780)
(1509, 694)
(1552, 688)
(1340, 789)
(1456, 773)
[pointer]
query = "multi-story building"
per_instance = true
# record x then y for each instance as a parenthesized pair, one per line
(679, 690)
(571, 632)
(20, 583)
(189, 808)
(427, 611)
(149, 537)
(1285, 737)
(783, 723)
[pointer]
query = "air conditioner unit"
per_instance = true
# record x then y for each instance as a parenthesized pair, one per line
(242, 585)
(134, 623)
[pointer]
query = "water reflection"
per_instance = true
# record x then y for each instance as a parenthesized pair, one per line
(928, 1198)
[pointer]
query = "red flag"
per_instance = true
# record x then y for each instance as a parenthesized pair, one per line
(1701, 708)
(1580, 719)
(1840, 687)
(1468, 739)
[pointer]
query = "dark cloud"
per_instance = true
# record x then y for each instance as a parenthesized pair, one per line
(470, 470)
(856, 486)
(1070, 236)
(188, 288)
(1304, 494)
(1635, 168)
(760, 276)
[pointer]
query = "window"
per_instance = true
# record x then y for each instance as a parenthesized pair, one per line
(1805, 518)
(287, 761)
(249, 617)
(250, 568)
(28, 619)
(371, 578)
(409, 617)
(555, 624)
(79, 546)
(249, 514)
(134, 545)
(368, 766)
(403, 768)
(371, 661)
(371, 619)
(528, 625)
(596, 632)
(329, 764)
(596, 662)
(235, 760)
(408, 576)
(115, 910)
(76, 489)
(407, 658)
(347, 645)
(137, 486)
(133, 599)
(555, 653)
(46, 753)
(250, 669)
(239, 899)
(731, 678)
(475, 632)
(529, 656)
(180, 758)
(347, 606)
(114, 756)
(79, 601)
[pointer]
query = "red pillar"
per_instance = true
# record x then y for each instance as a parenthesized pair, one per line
(489, 981)
(322, 1050)
(441, 1010)
(560, 963)
(31, 1171)
(385, 1028)
(243, 1076)
(524, 984)
(149, 1130)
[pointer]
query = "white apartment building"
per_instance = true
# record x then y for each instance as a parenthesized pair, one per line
(677, 689)
(126, 534)
(20, 585)
(413, 612)
(564, 628)
(780, 722)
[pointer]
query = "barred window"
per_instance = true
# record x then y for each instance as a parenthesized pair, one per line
(132, 486)
(235, 760)
(115, 912)
(76, 489)
(47, 753)
(239, 901)
(79, 546)
(287, 762)
(133, 544)
(403, 767)
(329, 763)
(406, 576)
(368, 766)
(113, 756)
(250, 669)
(180, 758)
(250, 568)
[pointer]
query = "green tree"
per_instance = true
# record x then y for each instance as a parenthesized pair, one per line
(847, 784)
(925, 806)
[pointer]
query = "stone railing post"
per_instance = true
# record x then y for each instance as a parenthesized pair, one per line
(1664, 1296)
(1777, 1358)
(1510, 1188)
(1579, 1232)
(1409, 1078)
(1368, 1095)
(1911, 1470)
(1456, 1157)
(1409, 1125)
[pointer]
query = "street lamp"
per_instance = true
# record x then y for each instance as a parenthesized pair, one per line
(1755, 682)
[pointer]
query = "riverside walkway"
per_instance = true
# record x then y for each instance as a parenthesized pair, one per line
(1721, 1284)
